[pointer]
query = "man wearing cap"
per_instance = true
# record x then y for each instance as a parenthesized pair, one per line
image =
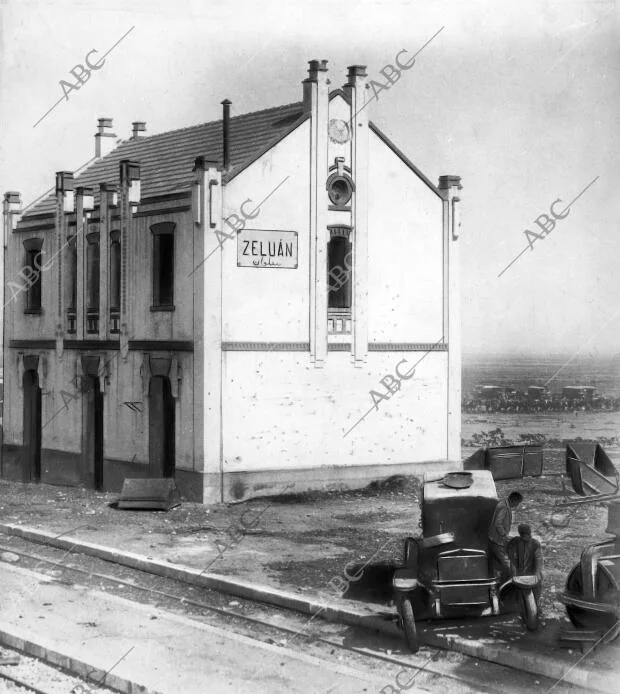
(526, 558)
(499, 533)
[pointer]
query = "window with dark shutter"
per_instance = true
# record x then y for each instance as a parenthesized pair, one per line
(34, 263)
(163, 266)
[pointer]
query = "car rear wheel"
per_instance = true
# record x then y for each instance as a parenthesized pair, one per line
(529, 609)
(411, 633)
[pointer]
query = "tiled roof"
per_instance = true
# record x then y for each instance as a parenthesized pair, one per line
(166, 160)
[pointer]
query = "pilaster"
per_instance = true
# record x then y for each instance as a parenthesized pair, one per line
(449, 187)
(356, 89)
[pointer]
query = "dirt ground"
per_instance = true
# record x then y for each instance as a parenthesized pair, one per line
(301, 542)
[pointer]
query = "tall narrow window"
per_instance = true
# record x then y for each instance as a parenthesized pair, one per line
(339, 274)
(34, 262)
(163, 266)
(92, 283)
(71, 284)
(115, 271)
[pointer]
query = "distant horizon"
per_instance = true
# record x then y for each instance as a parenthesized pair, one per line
(514, 353)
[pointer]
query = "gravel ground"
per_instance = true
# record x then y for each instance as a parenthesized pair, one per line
(45, 677)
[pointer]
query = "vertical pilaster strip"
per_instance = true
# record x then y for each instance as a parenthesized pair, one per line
(81, 267)
(104, 262)
(125, 215)
(322, 238)
(310, 89)
(209, 275)
(449, 187)
(356, 88)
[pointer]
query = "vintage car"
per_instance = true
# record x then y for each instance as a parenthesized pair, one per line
(592, 597)
(446, 573)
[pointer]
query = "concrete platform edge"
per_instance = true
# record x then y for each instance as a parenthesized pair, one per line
(350, 615)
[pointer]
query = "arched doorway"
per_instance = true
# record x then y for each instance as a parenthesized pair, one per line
(31, 470)
(92, 444)
(161, 427)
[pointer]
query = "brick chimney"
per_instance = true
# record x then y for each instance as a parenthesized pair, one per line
(105, 139)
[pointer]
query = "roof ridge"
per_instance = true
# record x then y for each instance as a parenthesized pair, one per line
(210, 122)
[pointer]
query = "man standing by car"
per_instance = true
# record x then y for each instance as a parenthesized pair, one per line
(499, 533)
(526, 558)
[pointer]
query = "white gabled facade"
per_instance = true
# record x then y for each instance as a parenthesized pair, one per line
(292, 384)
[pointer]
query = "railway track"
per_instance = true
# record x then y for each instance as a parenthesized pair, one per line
(29, 674)
(282, 627)
(22, 686)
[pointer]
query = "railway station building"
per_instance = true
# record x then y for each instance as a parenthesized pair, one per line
(269, 301)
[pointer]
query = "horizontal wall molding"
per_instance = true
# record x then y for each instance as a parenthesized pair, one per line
(146, 345)
(265, 346)
(35, 227)
(338, 346)
(162, 345)
(165, 197)
(162, 211)
(188, 346)
(32, 344)
(91, 344)
(407, 347)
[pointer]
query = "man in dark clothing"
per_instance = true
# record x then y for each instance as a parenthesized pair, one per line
(526, 558)
(499, 533)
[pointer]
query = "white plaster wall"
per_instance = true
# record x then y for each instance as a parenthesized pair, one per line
(281, 412)
(161, 325)
(261, 304)
(405, 283)
(18, 324)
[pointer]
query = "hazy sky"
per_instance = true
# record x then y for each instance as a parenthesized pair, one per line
(520, 99)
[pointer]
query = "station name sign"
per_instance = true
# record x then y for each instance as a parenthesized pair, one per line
(263, 248)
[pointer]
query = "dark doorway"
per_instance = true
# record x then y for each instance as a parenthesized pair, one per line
(161, 427)
(93, 432)
(31, 470)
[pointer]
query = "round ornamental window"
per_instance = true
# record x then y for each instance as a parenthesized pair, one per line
(339, 190)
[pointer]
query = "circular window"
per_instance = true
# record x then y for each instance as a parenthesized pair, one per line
(339, 190)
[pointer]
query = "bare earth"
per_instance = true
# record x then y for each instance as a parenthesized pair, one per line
(302, 542)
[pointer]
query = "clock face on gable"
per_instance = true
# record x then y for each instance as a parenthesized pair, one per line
(338, 131)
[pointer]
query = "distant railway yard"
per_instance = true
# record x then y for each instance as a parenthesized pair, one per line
(494, 398)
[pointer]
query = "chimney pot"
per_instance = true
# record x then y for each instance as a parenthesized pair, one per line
(103, 123)
(446, 182)
(316, 66)
(105, 140)
(137, 127)
(356, 71)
